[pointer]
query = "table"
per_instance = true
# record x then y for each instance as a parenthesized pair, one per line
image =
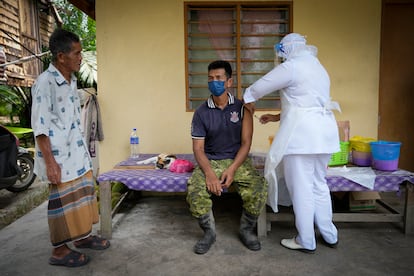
(165, 181)
(153, 180)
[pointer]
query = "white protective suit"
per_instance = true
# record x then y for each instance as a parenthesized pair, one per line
(307, 125)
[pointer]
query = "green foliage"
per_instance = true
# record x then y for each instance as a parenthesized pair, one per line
(79, 23)
(16, 101)
(76, 21)
(118, 187)
(117, 190)
(88, 73)
(46, 59)
(10, 96)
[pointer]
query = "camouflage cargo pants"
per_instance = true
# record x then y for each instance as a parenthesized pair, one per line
(251, 187)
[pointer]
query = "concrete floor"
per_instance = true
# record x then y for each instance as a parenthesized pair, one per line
(14, 205)
(155, 235)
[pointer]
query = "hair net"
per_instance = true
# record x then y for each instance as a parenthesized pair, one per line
(292, 45)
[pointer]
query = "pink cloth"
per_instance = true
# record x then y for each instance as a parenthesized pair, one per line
(181, 166)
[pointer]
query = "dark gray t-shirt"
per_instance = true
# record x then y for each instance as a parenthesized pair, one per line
(221, 129)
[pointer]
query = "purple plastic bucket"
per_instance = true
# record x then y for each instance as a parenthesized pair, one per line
(385, 165)
(385, 155)
(362, 159)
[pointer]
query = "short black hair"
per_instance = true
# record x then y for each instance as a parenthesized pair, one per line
(221, 64)
(61, 42)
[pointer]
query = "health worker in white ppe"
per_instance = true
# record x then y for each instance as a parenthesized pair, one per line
(307, 136)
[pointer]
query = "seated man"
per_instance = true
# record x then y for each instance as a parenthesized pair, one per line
(222, 134)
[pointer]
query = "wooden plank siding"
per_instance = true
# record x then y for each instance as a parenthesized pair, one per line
(25, 27)
(46, 27)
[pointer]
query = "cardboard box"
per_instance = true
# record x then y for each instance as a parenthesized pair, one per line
(359, 201)
(344, 128)
(258, 159)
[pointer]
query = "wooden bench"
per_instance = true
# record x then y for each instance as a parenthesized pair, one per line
(397, 182)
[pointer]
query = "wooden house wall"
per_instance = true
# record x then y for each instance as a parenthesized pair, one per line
(46, 27)
(25, 29)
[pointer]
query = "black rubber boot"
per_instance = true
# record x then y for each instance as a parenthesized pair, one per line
(247, 231)
(206, 223)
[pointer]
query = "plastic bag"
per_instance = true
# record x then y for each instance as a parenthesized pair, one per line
(181, 166)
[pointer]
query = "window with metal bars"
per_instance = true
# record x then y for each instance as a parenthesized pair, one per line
(241, 33)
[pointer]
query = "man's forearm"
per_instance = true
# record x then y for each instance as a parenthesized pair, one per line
(45, 147)
(203, 162)
(241, 156)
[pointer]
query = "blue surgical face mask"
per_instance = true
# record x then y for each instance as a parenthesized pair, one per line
(216, 87)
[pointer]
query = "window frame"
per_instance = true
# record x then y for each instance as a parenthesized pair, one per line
(238, 7)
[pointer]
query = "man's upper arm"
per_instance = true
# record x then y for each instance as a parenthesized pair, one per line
(197, 128)
(247, 126)
(198, 144)
(41, 115)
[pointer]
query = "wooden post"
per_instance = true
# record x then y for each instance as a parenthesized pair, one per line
(106, 208)
(409, 208)
(262, 224)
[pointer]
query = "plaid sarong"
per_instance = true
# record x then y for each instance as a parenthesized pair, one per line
(72, 210)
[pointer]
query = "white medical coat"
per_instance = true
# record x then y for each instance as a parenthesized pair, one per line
(307, 123)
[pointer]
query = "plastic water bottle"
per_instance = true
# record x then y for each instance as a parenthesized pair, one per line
(134, 144)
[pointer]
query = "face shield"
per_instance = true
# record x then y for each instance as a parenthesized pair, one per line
(278, 54)
(279, 47)
(289, 45)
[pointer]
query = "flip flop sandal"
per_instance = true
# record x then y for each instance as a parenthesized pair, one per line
(95, 243)
(73, 259)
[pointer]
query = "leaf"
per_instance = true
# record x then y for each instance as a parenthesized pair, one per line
(8, 95)
(88, 70)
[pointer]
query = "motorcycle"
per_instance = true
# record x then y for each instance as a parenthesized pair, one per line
(16, 163)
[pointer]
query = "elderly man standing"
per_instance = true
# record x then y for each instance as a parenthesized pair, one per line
(62, 157)
(222, 134)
